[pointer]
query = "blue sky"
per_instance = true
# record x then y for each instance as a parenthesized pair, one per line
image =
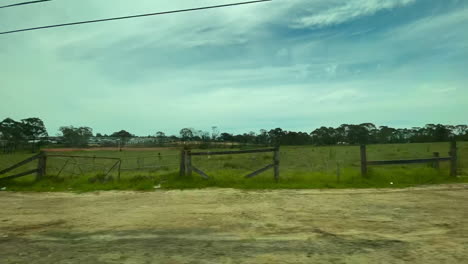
(294, 64)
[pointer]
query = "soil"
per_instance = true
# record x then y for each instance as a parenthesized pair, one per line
(415, 225)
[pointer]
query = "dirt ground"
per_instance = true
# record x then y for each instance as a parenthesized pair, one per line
(417, 225)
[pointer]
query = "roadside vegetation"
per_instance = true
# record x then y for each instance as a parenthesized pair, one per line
(301, 167)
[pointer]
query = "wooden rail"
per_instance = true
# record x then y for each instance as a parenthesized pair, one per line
(200, 172)
(409, 161)
(19, 175)
(41, 168)
(232, 152)
(255, 173)
(19, 164)
(435, 160)
(186, 166)
(81, 157)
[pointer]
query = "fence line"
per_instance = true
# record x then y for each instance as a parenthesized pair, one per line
(152, 156)
(434, 161)
(186, 165)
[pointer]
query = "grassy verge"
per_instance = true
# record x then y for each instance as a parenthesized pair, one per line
(349, 178)
(301, 167)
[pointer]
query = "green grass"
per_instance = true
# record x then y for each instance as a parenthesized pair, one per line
(301, 168)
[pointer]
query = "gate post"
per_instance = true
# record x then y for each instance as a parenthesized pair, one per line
(188, 163)
(363, 161)
(276, 162)
(436, 165)
(453, 158)
(182, 163)
(41, 166)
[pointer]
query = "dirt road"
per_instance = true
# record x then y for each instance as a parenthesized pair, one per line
(419, 225)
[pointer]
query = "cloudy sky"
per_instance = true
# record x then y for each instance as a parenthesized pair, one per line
(294, 64)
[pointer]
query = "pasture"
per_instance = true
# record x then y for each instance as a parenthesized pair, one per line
(301, 167)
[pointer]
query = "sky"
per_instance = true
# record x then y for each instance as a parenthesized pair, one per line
(294, 64)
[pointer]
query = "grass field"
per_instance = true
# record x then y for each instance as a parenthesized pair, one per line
(301, 167)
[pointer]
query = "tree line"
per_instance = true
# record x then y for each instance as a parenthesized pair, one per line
(33, 130)
(349, 134)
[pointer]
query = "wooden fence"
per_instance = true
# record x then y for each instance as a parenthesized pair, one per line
(40, 170)
(186, 165)
(434, 161)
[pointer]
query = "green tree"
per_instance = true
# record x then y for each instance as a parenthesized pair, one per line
(204, 135)
(124, 137)
(226, 137)
(276, 135)
(160, 137)
(76, 136)
(12, 130)
(324, 136)
(385, 134)
(214, 133)
(33, 128)
(263, 138)
(122, 134)
(186, 134)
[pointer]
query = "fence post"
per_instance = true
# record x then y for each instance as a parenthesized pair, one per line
(338, 172)
(363, 161)
(41, 166)
(453, 158)
(435, 164)
(188, 163)
(119, 168)
(276, 162)
(182, 163)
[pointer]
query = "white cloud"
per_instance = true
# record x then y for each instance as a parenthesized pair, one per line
(338, 12)
(234, 66)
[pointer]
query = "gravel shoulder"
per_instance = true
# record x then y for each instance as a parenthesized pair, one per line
(414, 225)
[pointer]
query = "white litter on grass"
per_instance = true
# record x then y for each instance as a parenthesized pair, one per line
(157, 186)
(391, 182)
(3, 188)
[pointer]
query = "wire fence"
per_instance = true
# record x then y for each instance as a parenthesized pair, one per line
(332, 161)
(65, 166)
(76, 166)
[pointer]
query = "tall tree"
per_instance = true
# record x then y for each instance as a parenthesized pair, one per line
(385, 134)
(263, 137)
(160, 137)
(324, 136)
(214, 132)
(33, 129)
(12, 130)
(123, 136)
(204, 135)
(226, 137)
(76, 136)
(276, 135)
(186, 134)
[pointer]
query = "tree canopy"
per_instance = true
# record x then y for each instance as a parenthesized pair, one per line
(76, 136)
